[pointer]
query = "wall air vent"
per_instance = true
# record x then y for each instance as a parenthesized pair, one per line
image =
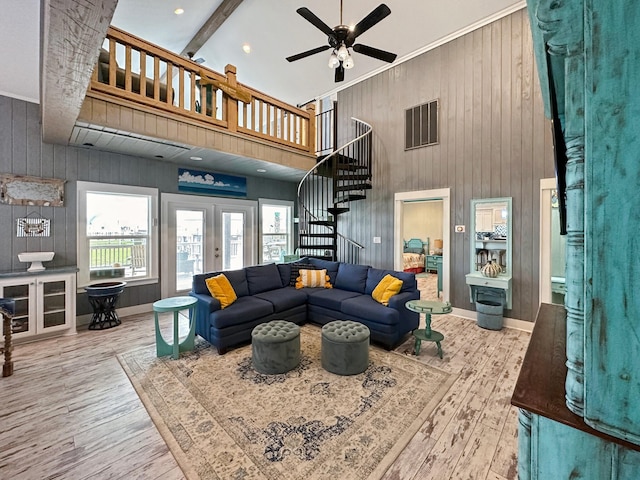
(421, 125)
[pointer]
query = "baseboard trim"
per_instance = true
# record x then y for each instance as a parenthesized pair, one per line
(508, 322)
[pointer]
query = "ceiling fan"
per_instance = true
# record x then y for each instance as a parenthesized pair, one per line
(341, 38)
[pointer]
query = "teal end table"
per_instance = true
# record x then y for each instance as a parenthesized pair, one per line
(175, 305)
(428, 308)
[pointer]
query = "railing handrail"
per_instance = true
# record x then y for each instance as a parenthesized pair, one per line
(194, 91)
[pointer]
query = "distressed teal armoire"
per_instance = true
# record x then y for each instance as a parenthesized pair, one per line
(579, 387)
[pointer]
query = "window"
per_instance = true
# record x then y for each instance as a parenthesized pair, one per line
(276, 230)
(421, 125)
(117, 233)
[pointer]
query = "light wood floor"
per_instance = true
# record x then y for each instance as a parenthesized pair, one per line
(69, 411)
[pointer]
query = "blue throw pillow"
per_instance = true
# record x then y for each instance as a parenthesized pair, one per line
(262, 278)
(352, 278)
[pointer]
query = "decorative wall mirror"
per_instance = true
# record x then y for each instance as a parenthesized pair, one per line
(491, 234)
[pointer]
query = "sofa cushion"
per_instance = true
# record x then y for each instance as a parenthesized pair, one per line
(363, 306)
(243, 310)
(329, 297)
(313, 279)
(285, 273)
(376, 274)
(388, 287)
(284, 299)
(352, 277)
(295, 272)
(236, 278)
(331, 267)
(261, 278)
(220, 288)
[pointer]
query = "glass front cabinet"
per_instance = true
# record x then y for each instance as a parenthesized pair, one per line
(44, 303)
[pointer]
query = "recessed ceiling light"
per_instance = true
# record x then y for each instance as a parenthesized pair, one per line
(195, 158)
(261, 170)
(179, 11)
(246, 48)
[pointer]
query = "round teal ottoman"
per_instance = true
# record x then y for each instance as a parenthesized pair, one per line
(345, 347)
(275, 347)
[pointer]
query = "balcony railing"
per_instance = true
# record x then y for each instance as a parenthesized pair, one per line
(134, 70)
(113, 258)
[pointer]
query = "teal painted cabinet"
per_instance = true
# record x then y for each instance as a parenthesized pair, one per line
(588, 59)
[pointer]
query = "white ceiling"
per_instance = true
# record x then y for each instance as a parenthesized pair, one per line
(272, 28)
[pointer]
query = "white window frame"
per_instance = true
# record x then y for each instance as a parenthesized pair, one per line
(83, 255)
(265, 202)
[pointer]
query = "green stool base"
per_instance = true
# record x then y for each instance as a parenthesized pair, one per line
(175, 304)
(421, 334)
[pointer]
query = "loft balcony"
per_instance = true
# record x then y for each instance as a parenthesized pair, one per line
(147, 101)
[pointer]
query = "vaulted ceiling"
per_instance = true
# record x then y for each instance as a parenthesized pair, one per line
(56, 73)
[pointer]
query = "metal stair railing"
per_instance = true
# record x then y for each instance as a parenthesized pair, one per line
(325, 192)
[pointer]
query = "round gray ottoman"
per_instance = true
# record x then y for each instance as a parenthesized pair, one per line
(275, 347)
(345, 347)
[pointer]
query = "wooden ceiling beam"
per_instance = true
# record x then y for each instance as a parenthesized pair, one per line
(72, 32)
(224, 11)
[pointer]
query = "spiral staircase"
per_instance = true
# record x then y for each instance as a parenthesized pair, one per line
(326, 192)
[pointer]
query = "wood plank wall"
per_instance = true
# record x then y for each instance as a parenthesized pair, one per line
(22, 152)
(494, 142)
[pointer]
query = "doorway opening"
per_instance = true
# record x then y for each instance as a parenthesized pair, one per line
(436, 204)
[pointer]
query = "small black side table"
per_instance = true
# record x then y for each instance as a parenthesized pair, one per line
(103, 298)
(428, 308)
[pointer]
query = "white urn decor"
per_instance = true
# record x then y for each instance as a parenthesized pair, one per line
(491, 269)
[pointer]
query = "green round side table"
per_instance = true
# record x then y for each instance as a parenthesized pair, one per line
(175, 305)
(429, 308)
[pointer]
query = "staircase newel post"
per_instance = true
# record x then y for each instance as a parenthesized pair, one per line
(230, 105)
(311, 110)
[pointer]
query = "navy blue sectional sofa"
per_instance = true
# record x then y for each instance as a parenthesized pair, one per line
(264, 294)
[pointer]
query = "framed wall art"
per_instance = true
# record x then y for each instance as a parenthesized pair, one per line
(27, 190)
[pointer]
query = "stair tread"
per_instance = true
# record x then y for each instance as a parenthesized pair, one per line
(337, 210)
(347, 188)
(318, 235)
(349, 198)
(326, 223)
(347, 177)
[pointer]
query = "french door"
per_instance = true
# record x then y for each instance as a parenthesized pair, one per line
(204, 234)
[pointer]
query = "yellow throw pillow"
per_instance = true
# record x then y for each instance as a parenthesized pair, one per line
(386, 288)
(220, 288)
(313, 279)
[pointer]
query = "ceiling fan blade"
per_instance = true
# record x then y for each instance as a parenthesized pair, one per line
(380, 12)
(315, 21)
(374, 52)
(339, 73)
(313, 51)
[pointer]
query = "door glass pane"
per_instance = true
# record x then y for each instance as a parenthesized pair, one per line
(189, 242)
(232, 240)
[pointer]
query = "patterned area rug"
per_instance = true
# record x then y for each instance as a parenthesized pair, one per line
(223, 420)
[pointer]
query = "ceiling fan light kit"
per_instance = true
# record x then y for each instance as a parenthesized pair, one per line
(333, 60)
(341, 38)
